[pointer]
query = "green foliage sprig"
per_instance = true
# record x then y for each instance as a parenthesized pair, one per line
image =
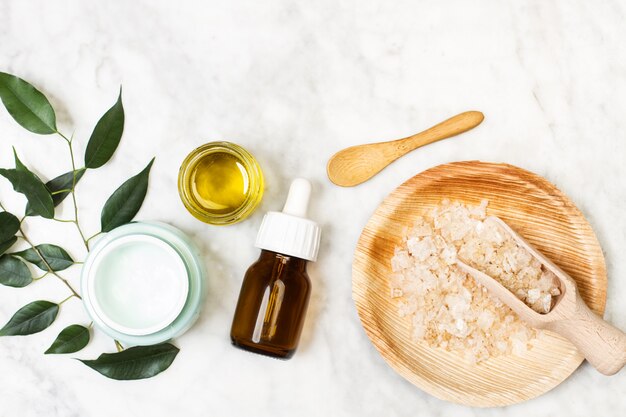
(31, 109)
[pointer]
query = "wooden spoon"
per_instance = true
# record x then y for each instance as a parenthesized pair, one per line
(357, 164)
(603, 345)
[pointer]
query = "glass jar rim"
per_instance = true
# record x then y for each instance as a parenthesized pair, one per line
(255, 177)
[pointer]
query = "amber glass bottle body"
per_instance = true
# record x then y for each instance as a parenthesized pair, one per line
(272, 306)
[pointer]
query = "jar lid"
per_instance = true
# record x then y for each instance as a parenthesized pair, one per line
(289, 232)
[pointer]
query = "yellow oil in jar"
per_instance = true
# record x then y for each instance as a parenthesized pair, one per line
(219, 183)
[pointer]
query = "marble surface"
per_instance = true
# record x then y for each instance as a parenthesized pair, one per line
(294, 82)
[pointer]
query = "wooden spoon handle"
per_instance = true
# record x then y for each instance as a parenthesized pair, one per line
(357, 164)
(453, 126)
(602, 344)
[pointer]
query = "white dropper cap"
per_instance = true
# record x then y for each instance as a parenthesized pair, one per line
(298, 198)
(289, 232)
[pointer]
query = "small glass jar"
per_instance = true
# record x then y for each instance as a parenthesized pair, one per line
(220, 183)
(143, 283)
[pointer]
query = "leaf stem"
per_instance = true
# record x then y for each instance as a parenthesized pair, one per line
(63, 136)
(2, 207)
(71, 295)
(72, 191)
(66, 190)
(50, 270)
(63, 220)
(43, 276)
(92, 236)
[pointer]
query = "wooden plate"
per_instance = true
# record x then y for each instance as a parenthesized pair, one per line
(539, 212)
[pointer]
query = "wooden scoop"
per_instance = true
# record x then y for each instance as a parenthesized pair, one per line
(357, 164)
(603, 345)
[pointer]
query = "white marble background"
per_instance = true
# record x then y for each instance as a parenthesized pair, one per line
(293, 82)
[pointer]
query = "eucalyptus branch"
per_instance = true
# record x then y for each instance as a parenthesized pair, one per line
(31, 109)
(50, 270)
(72, 191)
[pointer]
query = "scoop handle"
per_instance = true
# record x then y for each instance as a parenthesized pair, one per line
(602, 344)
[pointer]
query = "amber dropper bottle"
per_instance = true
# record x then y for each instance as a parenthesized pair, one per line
(276, 288)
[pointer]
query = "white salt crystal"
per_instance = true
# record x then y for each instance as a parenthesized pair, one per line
(421, 248)
(485, 320)
(447, 308)
(400, 261)
(533, 295)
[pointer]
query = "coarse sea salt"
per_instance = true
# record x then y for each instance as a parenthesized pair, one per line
(447, 308)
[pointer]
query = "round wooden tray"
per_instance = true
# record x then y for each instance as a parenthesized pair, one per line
(534, 208)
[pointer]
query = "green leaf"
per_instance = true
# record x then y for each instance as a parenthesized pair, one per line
(126, 201)
(4, 246)
(138, 362)
(27, 183)
(57, 257)
(28, 106)
(72, 339)
(13, 272)
(32, 318)
(57, 185)
(106, 136)
(9, 225)
(18, 164)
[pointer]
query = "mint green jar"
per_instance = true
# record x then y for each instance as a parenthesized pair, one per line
(143, 283)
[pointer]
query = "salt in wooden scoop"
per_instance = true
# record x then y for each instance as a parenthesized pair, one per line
(603, 345)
